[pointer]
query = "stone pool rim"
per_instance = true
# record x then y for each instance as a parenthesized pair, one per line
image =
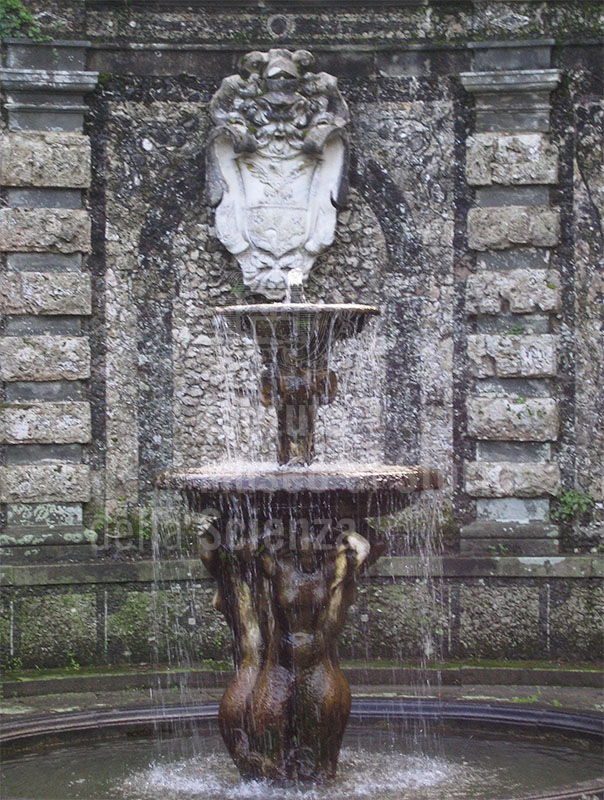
(60, 728)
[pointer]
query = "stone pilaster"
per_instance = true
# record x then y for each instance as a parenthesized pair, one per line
(46, 296)
(511, 300)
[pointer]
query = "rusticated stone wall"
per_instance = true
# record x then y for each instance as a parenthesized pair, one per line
(46, 290)
(474, 222)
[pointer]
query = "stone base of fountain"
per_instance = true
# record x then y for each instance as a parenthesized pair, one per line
(284, 547)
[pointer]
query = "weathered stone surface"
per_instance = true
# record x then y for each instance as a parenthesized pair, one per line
(502, 620)
(512, 356)
(44, 358)
(588, 291)
(510, 479)
(45, 293)
(511, 159)
(500, 227)
(521, 291)
(45, 159)
(44, 423)
(47, 515)
(522, 419)
(62, 230)
(45, 483)
(59, 629)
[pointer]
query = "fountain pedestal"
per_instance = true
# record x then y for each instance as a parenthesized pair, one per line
(285, 548)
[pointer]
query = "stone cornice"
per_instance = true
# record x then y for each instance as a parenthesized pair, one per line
(517, 80)
(48, 80)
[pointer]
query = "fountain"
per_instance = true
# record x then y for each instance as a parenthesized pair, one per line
(290, 537)
(293, 535)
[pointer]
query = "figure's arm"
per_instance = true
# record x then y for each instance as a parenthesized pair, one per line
(350, 555)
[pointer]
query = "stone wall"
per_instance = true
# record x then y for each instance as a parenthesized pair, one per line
(502, 608)
(474, 222)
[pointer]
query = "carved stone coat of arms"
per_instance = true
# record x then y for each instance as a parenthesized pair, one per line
(277, 165)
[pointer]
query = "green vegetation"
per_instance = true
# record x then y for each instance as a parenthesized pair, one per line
(16, 20)
(571, 505)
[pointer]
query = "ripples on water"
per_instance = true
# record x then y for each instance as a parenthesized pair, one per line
(378, 762)
(362, 775)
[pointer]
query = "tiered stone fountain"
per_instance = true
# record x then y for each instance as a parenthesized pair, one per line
(293, 534)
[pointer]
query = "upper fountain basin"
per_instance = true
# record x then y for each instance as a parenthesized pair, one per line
(312, 327)
(346, 489)
(268, 478)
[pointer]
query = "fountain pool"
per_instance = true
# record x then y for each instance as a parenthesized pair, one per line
(392, 749)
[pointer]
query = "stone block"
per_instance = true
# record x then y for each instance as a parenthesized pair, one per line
(511, 159)
(45, 159)
(512, 356)
(511, 479)
(509, 547)
(28, 453)
(533, 419)
(47, 515)
(57, 54)
(487, 529)
(52, 325)
(44, 262)
(486, 196)
(45, 197)
(501, 227)
(40, 535)
(44, 358)
(512, 55)
(521, 291)
(45, 483)
(45, 293)
(62, 230)
(45, 423)
(488, 538)
(513, 509)
(44, 390)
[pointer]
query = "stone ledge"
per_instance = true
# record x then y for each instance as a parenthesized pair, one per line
(45, 80)
(502, 227)
(44, 358)
(362, 674)
(44, 230)
(487, 529)
(522, 291)
(45, 293)
(510, 538)
(506, 356)
(45, 483)
(512, 80)
(45, 159)
(511, 479)
(533, 419)
(576, 567)
(37, 535)
(509, 547)
(507, 159)
(45, 423)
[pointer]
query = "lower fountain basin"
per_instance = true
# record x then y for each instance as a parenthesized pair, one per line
(335, 490)
(484, 752)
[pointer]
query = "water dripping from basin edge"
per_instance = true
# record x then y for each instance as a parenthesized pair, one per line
(390, 751)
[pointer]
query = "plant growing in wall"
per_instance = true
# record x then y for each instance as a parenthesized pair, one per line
(16, 20)
(572, 506)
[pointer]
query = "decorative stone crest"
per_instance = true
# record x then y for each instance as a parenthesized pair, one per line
(277, 165)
